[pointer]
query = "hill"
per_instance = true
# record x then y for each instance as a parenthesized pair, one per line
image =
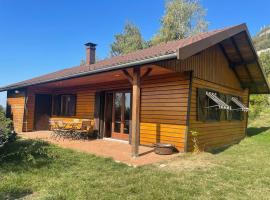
(262, 40)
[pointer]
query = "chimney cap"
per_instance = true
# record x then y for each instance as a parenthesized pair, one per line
(90, 44)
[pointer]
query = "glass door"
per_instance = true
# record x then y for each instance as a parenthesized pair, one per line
(121, 115)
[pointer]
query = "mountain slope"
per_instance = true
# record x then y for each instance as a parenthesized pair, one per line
(262, 40)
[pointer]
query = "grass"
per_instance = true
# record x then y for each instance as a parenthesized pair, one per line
(37, 170)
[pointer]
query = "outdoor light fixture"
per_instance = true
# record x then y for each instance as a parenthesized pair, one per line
(16, 91)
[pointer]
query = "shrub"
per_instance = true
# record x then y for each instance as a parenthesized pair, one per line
(195, 140)
(6, 128)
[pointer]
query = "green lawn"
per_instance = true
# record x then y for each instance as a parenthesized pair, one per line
(37, 170)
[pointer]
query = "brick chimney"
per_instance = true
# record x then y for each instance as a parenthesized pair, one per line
(90, 53)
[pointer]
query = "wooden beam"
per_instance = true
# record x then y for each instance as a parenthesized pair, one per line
(135, 112)
(257, 83)
(148, 71)
(128, 76)
(232, 66)
(257, 59)
(244, 63)
(242, 60)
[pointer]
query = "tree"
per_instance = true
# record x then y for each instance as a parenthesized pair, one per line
(260, 103)
(5, 127)
(262, 39)
(2, 109)
(265, 60)
(182, 18)
(128, 41)
(82, 62)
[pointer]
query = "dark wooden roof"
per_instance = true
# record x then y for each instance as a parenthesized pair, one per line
(235, 42)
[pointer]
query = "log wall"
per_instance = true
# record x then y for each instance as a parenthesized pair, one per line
(15, 109)
(164, 102)
(213, 134)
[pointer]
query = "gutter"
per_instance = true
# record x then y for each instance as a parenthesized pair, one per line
(105, 69)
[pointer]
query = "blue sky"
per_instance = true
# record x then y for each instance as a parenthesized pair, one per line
(41, 36)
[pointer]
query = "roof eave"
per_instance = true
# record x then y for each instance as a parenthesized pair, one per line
(257, 60)
(205, 43)
(96, 71)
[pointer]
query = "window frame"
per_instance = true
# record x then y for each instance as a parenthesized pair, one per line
(221, 115)
(208, 110)
(58, 109)
(231, 112)
(205, 111)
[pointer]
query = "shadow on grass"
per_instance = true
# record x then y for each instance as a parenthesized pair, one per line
(16, 193)
(221, 149)
(252, 131)
(25, 154)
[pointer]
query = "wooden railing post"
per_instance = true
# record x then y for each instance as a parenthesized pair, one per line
(136, 85)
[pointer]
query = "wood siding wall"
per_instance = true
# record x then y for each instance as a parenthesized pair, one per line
(85, 101)
(216, 133)
(84, 106)
(164, 101)
(211, 70)
(210, 65)
(15, 107)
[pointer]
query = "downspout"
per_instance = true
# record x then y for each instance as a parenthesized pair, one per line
(188, 112)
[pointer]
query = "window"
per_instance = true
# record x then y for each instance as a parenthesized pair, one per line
(235, 113)
(212, 110)
(214, 106)
(64, 105)
(207, 109)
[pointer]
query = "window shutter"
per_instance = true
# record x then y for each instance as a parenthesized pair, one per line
(97, 111)
(72, 105)
(99, 114)
(201, 104)
(56, 105)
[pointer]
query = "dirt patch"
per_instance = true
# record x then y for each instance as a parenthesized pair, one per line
(202, 161)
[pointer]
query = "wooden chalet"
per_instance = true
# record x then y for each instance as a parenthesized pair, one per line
(156, 95)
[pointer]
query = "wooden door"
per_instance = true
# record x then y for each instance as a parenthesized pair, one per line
(43, 108)
(121, 115)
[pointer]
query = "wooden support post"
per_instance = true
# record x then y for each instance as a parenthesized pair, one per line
(135, 112)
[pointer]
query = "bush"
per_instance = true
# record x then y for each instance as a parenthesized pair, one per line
(258, 104)
(6, 128)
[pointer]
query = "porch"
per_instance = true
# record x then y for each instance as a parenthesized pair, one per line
(146, 105)
(119, 151)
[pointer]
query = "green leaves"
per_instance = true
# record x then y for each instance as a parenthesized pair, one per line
(262, 39)
(5, 127)
(265, 60)
(183, 18)
(128, 41)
